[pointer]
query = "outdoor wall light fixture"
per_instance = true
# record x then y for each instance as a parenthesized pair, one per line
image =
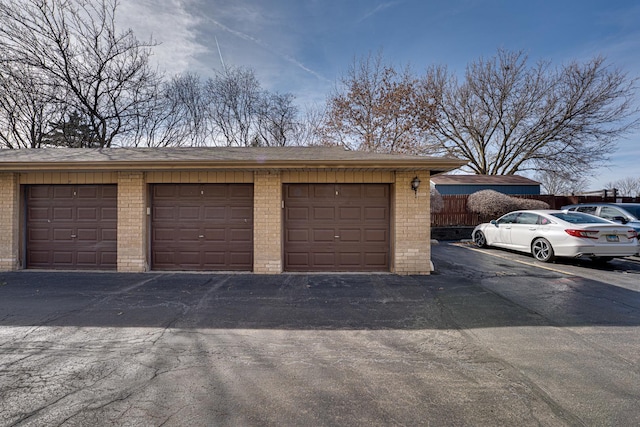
(415, 183)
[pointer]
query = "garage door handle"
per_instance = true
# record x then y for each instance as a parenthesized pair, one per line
(73, 236)
(200, 236)
(337, 237)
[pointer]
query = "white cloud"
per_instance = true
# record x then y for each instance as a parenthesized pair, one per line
(170, 24)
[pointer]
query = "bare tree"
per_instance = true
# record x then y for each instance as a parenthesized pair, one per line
(74, 50)
(176, 117)
(27, 106)
(275, 120)
(628, 186)
(561, 182)
(507, 117)
(377, 108)
(233, 99)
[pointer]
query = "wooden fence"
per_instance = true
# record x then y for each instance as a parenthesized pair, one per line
(455, 213)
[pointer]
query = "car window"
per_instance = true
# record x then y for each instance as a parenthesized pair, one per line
(608, 212)
(527, 218)
(508, 219)
(579, 218)
(633, 210)
(543, 221)
(587, 209)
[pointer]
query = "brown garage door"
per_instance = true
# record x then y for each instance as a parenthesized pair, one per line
(71, 227)
(331, 227)
(202, 227)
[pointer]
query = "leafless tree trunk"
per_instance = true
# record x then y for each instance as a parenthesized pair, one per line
(74, 50)
(507, 117)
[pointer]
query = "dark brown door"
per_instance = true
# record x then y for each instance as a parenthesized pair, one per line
(202, 227)
(71, 227)
(336, 227)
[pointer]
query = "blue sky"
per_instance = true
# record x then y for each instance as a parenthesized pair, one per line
(302, 46)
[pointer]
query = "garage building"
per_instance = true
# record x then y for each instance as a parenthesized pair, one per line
(263, 210)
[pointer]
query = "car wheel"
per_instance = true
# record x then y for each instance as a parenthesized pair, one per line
(542, 250)
(480, 240)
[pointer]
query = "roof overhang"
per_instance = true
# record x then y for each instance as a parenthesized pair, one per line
(123, 159)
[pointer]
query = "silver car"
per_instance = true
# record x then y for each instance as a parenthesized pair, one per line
(547, 234)
(623, 213)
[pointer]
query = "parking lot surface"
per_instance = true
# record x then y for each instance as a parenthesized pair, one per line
(483, 341)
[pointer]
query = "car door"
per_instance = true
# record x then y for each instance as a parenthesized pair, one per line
(524, 230)
(502, 233)
(613, 214)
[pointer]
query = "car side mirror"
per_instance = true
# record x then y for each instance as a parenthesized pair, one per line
(620, 219)
(494, 222)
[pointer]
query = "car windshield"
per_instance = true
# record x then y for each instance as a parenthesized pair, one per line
(579, 218)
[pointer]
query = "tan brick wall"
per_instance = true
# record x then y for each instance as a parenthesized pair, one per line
(337, 177)
(411, 225)
(9, 222)
(267, 223)
(69, 178)
(194, 177)
(132, 222)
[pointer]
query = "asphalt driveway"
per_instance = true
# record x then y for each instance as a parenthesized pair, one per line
(217, 349)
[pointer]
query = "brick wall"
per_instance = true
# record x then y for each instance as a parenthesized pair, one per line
(267, 223)
(411, 224)
(132, 222)
(9, 220)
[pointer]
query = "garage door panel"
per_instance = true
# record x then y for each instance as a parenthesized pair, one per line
(348, 229)
(323, 191)
(297, 235)
(164, 212)
(87, 234)
(213, 220)
(350, 235)
(39, 235)
(62, 214)
(86, 258)
(297, 261)
(109, 214)
(37, 214)
(62, 234)
(243, 235)
(62, 192)
(240, 213)
(321, 235)
(376, 235)
(88, 214)
(188, 213)
(376, 213)
(213, 213)
(323, 213)
(87, 192)
(324, 260)
(300, 191)
(297, 213)
(350, 213)
(108, 235)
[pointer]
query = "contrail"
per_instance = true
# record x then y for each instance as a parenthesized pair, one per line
(220, 53)
(269, 48)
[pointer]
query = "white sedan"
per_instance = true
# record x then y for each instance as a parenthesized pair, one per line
(549, 233)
